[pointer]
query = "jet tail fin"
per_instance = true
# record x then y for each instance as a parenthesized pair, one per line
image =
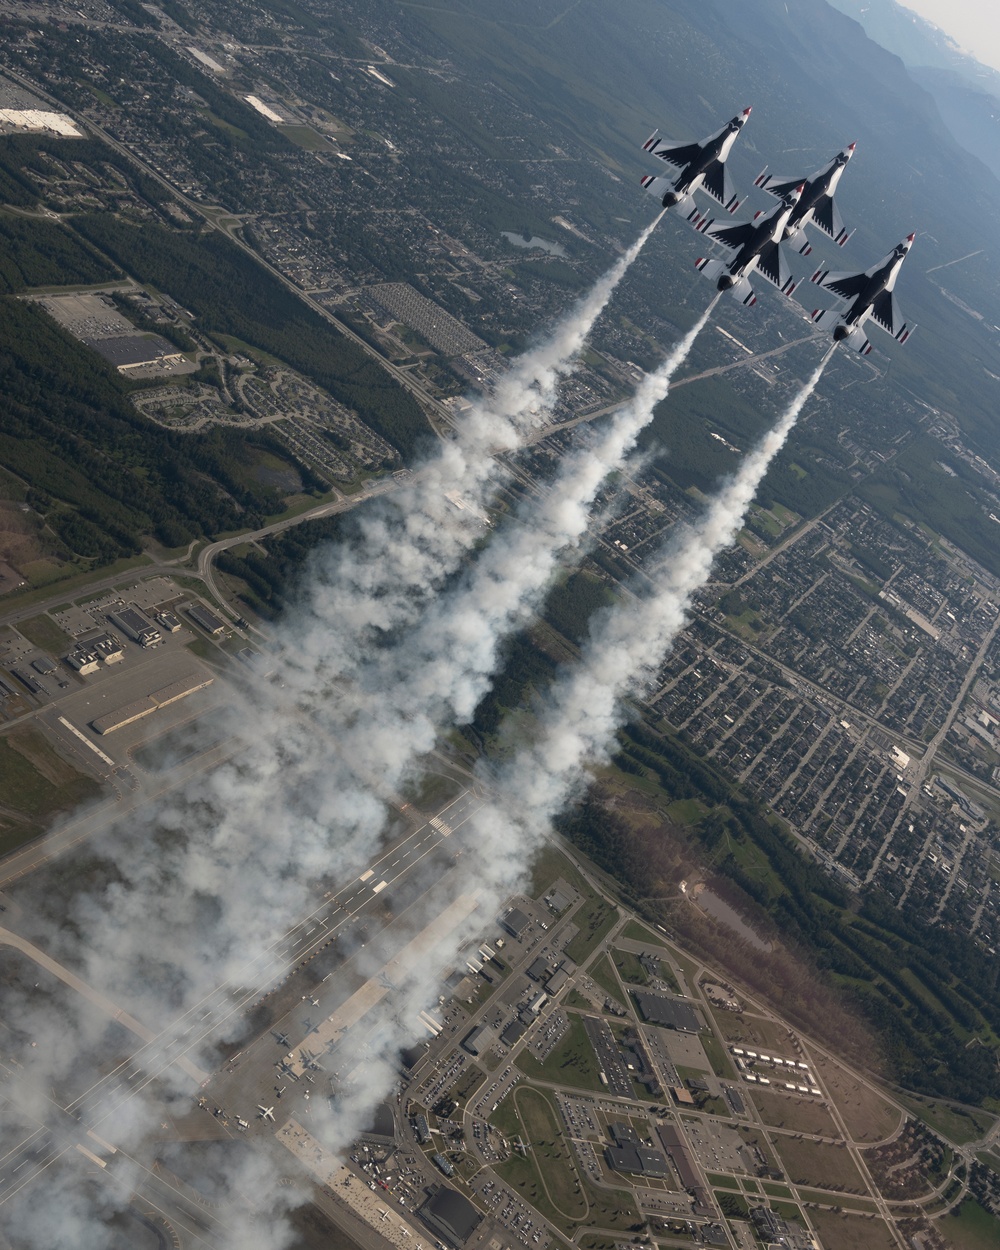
(712, 269)
(825, 318)
(857, 341)
(744, 292)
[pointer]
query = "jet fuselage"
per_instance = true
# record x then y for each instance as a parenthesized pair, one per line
(815, 189)
(883, 279)
(719, 148)
(769, 230)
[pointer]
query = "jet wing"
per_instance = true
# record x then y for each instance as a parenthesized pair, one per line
(846, 285)
(677, 154)
(719, 186)
(773, 185)
(885, 313)
(827, 217)
(732, 237)
(773, 265)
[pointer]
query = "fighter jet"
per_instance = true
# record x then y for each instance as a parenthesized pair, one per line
(702, 167)
(871, 295)
(757, 245)
(265, 1113)
(816, 205)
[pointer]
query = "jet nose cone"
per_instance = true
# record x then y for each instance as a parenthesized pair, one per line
(910, 238)
(746, 112)
(851, 147)
(800, 188)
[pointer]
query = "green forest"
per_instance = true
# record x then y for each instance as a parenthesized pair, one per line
(35, 252)
(100, 474)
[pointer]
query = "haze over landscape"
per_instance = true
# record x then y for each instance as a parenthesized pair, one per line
(499, 663)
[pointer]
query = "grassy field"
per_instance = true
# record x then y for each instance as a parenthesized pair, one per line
(717, 1057)
(814, 1163)
(971, 1229)
(848, 1201)
(602, 972)
(306, 137)
(958, 1124)
(851, 1232)
(629, 968)
(36, 781)
(594, 920)
(551, 1153)
(605, 1208)
(45, 633)
(548, 866)
(868, 1116)
(572, 1062)
(800, 1114)
(755, 1031)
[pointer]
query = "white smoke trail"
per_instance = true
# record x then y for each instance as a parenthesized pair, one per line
(585, 708)
(414, 538)
(439, 673)
(576, 729)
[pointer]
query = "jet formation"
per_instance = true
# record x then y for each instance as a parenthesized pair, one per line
(760, 245)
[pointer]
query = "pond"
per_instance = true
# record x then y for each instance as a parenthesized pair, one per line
(720, 910)
(518, 240)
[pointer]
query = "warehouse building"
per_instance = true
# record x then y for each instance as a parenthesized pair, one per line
(451, 1216)
(132, 622)
(668, 1013)
(208, 621)
(515, 922)
(136, 710)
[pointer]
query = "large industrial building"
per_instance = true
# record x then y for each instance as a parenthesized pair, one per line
(451, 1215)
(668, 1013)
(139, 708)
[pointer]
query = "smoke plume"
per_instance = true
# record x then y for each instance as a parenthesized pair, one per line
(409, 541)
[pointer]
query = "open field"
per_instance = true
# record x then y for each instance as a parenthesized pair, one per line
(815, 1163)
(571, 1063)
(868, 1116)
(755, 1031)
(774, 1190)
(36, 782)
(605, 1208)
(45, 633)
(802, 1115)
(851, 1232)
(602, 973)
(717, 1056)
(848, 1201)
(636, 932)
(958, 1124)
(594, 919)
(971, 1229)
(552, 1154)
(629, 968)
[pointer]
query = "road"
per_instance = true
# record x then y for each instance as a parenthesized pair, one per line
(206, 556)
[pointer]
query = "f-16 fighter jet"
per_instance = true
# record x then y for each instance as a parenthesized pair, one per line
(816, 205)
(702, 167)
(871, 295)
(757, 245)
